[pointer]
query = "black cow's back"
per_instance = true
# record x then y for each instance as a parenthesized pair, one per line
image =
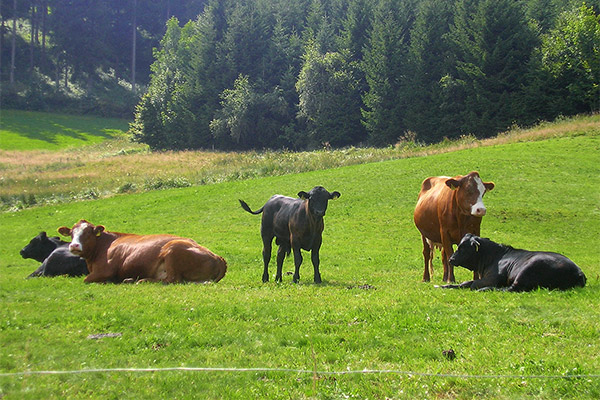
(545, 270)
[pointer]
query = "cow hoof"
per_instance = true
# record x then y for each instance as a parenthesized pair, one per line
(265, 279)
(318, 279)
(129, 280)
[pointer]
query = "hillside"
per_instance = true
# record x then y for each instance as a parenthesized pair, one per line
(371, 330)
(57, 174)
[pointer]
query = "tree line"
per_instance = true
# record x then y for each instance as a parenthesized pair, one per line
(244, 74)
(89, 56)
(304, 74)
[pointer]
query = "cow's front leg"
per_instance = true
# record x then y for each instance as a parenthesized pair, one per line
(464, 285)
(314, 256)
(281, 251)
(297, 263)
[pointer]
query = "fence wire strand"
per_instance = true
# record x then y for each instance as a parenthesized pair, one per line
(300, 372)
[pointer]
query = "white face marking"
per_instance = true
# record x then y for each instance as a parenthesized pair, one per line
(478, 209)
(76, 245)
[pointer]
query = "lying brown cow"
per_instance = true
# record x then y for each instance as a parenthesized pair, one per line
(447, 209)
(116, 257)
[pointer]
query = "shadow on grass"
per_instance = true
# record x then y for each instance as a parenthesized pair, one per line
(52, 128)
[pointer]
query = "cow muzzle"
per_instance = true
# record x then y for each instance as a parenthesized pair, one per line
(452, 261)
(478, 210)
(75, 248)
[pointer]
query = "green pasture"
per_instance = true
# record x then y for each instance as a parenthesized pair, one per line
(30, 130)
(308, 341)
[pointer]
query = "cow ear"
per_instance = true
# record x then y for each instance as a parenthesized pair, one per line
(63, 230)
(98, 230)
(334, 195)
(475, 243)
(43, 235)
(489, 185)
(452, 183)
(303, 195)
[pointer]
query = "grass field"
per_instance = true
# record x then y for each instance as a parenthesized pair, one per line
(30, 130)
(305, 340)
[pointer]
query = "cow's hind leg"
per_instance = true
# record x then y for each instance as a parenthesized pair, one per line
(266, 253)
(447, 252)
(281, 252)
(297, 263)
(427, 255)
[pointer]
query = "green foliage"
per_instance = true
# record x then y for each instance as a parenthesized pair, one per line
(245, 112)
(384, 65)
(571, 55)
(371, 313)
(493, 44)
(432, 110)
(329, 98)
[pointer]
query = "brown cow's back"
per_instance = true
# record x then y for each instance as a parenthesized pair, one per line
(138, 255)
(434, 194)
(185, 260)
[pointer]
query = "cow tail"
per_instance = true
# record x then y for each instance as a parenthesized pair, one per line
(246, 207)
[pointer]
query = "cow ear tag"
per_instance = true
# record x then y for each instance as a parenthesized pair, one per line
(98, 233)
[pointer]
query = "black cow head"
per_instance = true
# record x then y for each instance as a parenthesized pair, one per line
(467, 253)
(40, 247)
(317, 199)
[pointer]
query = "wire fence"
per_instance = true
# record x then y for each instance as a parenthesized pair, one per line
(301, 372)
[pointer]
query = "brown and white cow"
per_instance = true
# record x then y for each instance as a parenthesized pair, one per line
(117, 257)
(447, 209)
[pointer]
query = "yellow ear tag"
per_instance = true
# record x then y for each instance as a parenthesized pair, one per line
(476, 247)
(99, 233)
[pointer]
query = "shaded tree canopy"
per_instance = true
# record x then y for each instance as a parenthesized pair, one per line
(243, 74)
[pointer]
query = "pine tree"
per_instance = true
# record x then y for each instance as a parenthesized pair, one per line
(493, 44)
(384, 66)
(427, 115)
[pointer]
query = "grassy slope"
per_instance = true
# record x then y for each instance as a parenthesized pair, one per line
(117, 166)
(29, 130)
(546, 198)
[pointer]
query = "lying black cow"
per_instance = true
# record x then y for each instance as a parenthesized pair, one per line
(55, 257)
(40, 247)
(513, 270)
(296, 224)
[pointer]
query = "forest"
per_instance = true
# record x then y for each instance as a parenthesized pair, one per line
(303, 74)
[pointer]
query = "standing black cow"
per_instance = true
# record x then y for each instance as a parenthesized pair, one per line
(296, 224)
(55, 257)
(514, 270)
